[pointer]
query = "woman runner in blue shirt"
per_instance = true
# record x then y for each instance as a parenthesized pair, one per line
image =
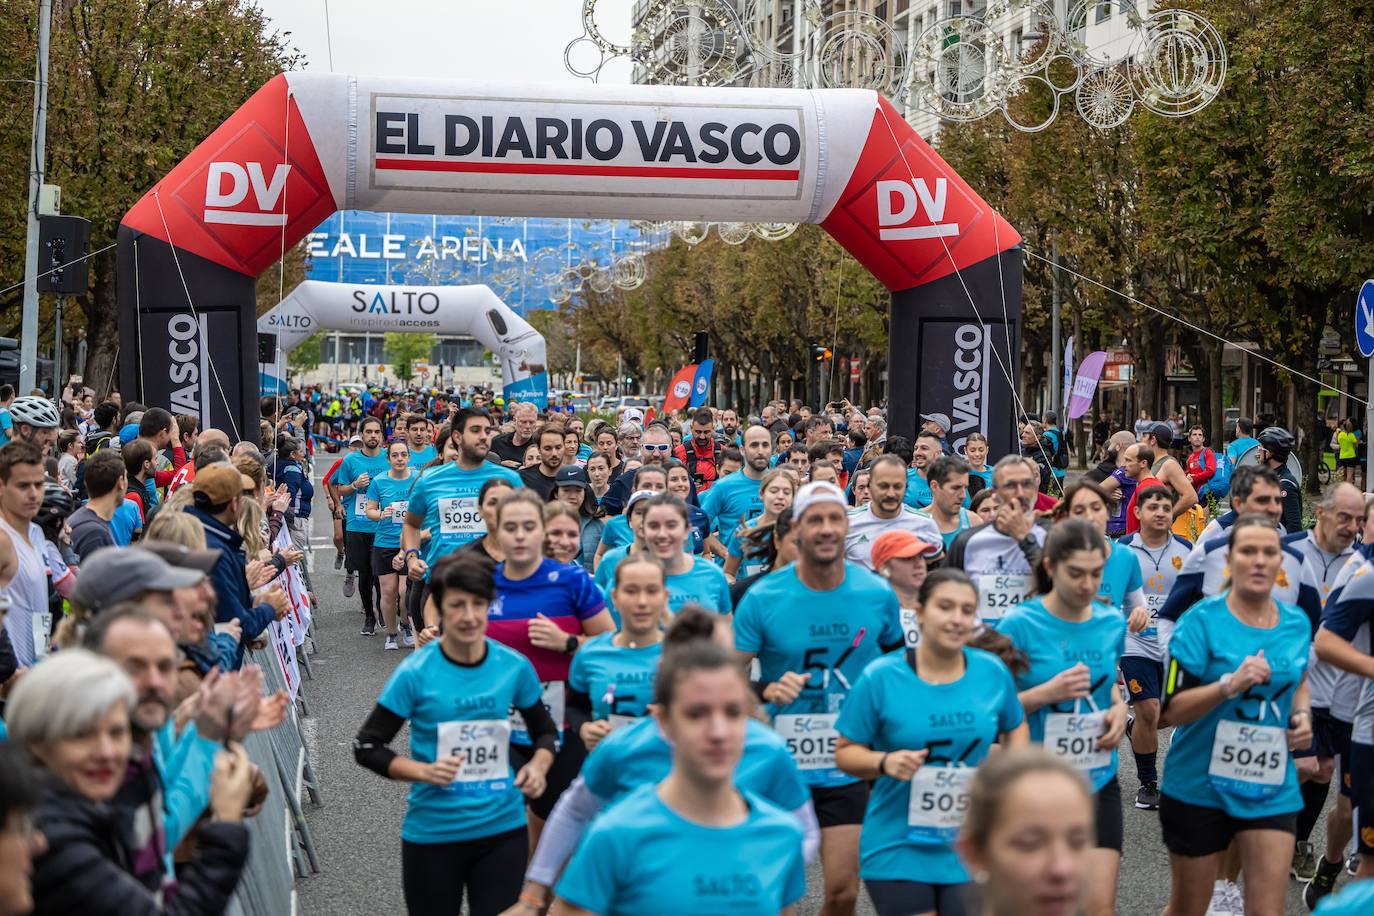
(694, 843)
(1072, 702)
(1236, 689)
(691, 579)
(612, 674)
(464, 827)
(1122, 586)
(387, 499)
(920, 722)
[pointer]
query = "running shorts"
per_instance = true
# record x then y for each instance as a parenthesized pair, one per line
(1196, 830)
(358, 550)
(1110, 826)
(837, 806)
(1143, 677)
(903, 898)
(381, 561)
(1362, 795)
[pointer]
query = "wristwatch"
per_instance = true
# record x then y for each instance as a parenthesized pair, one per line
(571, 646)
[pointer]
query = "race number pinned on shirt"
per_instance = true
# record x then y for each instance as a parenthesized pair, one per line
(1000, 592)
(554, 700)
(484, 745)
(810, 738)
(615, 720)
(939, 800)
(1248, 760)
(42, 628)
(360, 504)
(911, 632)
(398, 511)
(1073, 737)
(459, 515)
(1153, 604)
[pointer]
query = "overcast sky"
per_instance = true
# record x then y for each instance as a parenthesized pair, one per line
(450, 39)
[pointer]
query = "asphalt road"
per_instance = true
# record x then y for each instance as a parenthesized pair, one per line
(357, 830)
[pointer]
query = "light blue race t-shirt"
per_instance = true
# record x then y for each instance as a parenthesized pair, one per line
(469, 707)
(354, 465)
(892, 709)
(830, 636)
(1052, 645)
(447, 497)
(732, 500)
(605, 570)
(418, 459)
(617, 532)
(1120, 576)
(1235, 757)
(619, 680)
(125, 521)
(392, 496)
(703, 583)
(1355, 899)
(640, 856)
(638, 755)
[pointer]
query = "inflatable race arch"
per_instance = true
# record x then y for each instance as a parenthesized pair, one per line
(307, 144)
(474, 311)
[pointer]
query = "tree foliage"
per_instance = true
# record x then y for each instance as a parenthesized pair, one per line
(134, 86)
(405, 348)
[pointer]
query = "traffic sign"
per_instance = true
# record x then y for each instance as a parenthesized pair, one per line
(1364, 319)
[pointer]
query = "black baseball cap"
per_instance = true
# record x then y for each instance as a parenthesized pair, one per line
(1163, 433)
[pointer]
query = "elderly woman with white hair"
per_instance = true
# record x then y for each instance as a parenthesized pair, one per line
(72, 714)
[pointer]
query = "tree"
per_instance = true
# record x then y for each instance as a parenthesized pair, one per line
(404, 348)
(308, 354)
(134, 86)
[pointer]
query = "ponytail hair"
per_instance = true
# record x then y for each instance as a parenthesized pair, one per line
(689, 646)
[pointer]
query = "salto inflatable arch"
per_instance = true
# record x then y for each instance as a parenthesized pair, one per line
(308, 144)
(474, 311)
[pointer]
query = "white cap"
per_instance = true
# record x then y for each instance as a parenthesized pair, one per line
(821, 491)
(633, 415)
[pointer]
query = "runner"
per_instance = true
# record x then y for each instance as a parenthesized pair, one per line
(575, 491)
(1121, 579)
(886, 511)
(1070, 695)
(1159, 554)
(445, 500)
(747, 553)
(610, 682)
(1243, 494)
(562, 533)
(639, 754)
(694, 843)
(354, 476)
(734, 499)
(634, 522)
(464, 827)
(1236, 690)
(1276, 444)
(999, 556)
(976, 454)
(778, 543)
(542, 478)
(680, 485)
(617, 532)
(691, 579)
(544, 610)
(1327, 547)
(1023, 803)
(420, 439)
(927, 448)
(387, 499)
(922, 763)
(948, 478)
(903, 560)
(814, 626)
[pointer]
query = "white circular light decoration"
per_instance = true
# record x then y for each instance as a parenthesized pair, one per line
(857, 50)
(1025, 84)
(734, 233)
(774, 232)
(629, 272)
(1180, 65)
(959, 69)
(1105, 98)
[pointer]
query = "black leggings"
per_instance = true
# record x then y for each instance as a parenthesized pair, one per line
(491, 869)
(359, 556)
(416, 593)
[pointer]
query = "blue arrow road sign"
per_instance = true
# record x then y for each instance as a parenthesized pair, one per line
(1364, 319)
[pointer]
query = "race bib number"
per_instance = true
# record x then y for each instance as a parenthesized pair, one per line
(939, 800)
(1073, 737)
(1153, 604)
(810, 738)
(554, 700)
(42, 627)
(459, 515)
(360, 505)
(616, 721)
(484, 745)
(911, 633)
(1248, 760)
(998, 593)
(398, 511)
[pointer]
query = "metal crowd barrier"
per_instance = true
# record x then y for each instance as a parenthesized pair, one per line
(282, 846)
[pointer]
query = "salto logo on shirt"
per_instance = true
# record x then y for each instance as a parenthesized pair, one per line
(898, 203)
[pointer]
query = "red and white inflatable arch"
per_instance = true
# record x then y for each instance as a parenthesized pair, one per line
(308, 144)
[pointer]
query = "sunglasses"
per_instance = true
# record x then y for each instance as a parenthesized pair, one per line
(658, 448)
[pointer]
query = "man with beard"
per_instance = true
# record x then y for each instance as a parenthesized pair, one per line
(353, 478)
(510, 448)
(885, 512)
(814, 625)
(444, 499)
(735, 499)
(729, 427)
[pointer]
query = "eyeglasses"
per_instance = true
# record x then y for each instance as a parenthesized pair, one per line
(658, 448)
(1022, 484)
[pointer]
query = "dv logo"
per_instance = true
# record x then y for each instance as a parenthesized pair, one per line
(899, 201)
(227, 185)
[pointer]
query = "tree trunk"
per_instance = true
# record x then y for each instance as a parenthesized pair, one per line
(102, 330)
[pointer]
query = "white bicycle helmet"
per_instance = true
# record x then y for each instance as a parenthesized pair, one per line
(35, 411)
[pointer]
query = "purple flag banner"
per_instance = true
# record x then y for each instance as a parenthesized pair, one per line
(1085, 385)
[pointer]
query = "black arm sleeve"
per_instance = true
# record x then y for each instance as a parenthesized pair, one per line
(578, 707)
(538, 722)
(370, 746)
(1177, 680)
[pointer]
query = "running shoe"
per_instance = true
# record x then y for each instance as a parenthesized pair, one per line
(338, 559)
(1147, 797)
(1227, 900)
(1322, 883)
(1304, 861)
(1352, 864)
(1130, 725)
(390, 641)
(369, 628)
(407, 636)
(350, 585)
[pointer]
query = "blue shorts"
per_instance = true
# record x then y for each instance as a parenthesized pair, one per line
(1143, 677)
(1362, 795)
